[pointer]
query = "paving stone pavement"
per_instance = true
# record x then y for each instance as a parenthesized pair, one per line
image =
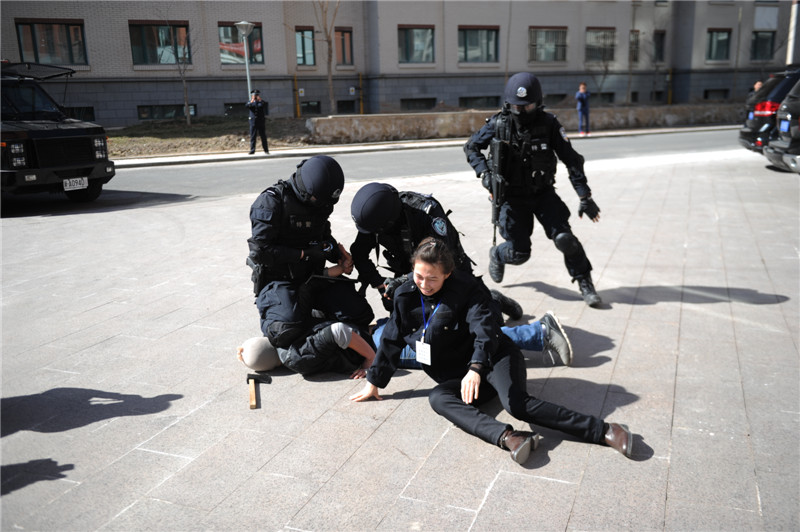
(124, 407)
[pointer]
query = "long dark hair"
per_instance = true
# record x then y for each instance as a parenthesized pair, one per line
(433, 251)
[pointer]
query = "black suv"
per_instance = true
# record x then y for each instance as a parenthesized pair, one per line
(42, 149)
(761, 108)
(784, 152)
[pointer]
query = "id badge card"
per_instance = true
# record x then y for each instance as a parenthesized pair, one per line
(423, 353)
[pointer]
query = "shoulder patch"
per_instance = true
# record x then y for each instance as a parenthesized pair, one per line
(563, 134)
(439, 226)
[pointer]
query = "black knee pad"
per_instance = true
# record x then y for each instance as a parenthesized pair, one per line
(567, 243)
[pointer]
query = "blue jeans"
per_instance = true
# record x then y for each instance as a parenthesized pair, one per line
(583, 121)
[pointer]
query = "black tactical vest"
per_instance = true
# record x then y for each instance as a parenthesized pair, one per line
(531, 163)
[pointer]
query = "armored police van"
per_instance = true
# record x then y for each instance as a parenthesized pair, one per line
(42, 149)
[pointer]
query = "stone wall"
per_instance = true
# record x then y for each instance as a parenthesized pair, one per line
(346, 129)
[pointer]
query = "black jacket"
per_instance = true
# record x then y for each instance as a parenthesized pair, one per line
(550, 141)
(422, 216)
(282, 226)
(462, 331)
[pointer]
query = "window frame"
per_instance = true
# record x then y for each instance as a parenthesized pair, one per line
(711, 44)
(300, 46)
(343, 37)
(659, 48)
(754, 42)
(559, 49)
(634, 49)
(172, 25)
(253, 55)
(406, 48)
(67, 24)
(483, 45)
(603, 48)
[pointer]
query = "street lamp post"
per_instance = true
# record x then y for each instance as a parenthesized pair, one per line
(244, 29)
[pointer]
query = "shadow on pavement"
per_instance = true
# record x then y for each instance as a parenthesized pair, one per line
(17, 476)
(651, 295)
(46, 204)
(62, 409)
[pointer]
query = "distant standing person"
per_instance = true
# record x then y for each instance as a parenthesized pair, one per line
(258, 120)
(582, 97)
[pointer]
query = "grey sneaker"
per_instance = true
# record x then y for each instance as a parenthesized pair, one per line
(508, 306)
(555, 339)
(496, 266)
(588, 292)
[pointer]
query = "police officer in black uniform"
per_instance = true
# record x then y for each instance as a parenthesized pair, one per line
(528, 142)
(290, 244)
(399, 221)
(258, 120)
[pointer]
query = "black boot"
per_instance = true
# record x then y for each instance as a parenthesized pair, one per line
(496, 266)
(508, 306)
(587, 290)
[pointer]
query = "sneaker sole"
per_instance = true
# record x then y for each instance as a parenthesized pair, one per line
(564, 334)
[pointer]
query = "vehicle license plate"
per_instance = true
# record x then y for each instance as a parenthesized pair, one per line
(750, 115)
(784, 126)
(76, 183)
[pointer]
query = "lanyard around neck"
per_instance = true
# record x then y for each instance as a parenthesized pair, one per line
(425, 322)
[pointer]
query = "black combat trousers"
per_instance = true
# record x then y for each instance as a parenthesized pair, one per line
(286, 307)
(507, 380)
(516, 227)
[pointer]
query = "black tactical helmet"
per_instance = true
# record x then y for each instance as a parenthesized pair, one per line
(318, 180)
(374, 207)
(523, 89)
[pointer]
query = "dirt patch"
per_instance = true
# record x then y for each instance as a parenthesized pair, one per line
(204, 135)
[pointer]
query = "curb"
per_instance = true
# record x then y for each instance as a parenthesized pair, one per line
(168, 160)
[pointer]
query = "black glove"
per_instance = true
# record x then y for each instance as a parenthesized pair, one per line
(391, 285)
(314, 253)
(486, 180)
(589, 207)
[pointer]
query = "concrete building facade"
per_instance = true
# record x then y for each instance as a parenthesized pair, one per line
(132, 58)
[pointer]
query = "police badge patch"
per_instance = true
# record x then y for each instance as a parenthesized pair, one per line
(439, 226)
(563, 134)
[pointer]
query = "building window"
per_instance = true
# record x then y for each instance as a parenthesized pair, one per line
(304, 42)
(85, 114)
(479, 102)
(762, 45)
(415, 44)
(417, 104)
(478, 45)
(160, 112)
(52, 43)
(715, 94)
(547, 44)
(344, 46)
(633, 47)
(231, 45)
(659, 45)
(552, 100)
(718, 45)
(345, 107)
(160, 44)
(310, 108)
(600, 44)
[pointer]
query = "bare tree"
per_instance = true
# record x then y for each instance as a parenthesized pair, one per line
(321, 10)
(599, 65)
(180, 47)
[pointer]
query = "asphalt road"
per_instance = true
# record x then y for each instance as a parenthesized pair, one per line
(178, 183)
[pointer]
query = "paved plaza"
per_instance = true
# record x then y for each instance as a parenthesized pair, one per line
(124, 406)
